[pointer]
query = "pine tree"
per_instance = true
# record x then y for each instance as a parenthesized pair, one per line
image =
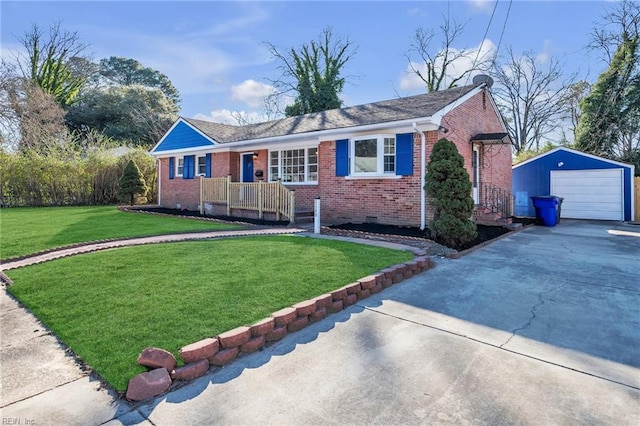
(449, 189)
(606, 111)
(131, 182)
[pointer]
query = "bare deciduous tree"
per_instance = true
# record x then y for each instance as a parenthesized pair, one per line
(607, 34)
(437, 61)
(532, 96)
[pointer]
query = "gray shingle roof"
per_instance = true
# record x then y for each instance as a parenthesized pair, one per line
(378, 112)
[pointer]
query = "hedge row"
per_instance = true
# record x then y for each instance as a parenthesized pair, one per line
(32, 180)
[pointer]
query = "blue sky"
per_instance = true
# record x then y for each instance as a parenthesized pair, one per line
(214, 52)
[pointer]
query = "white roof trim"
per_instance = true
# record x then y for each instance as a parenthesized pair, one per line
(173, 126)
(573, 151)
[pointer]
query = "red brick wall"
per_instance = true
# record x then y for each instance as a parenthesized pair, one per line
(185, 192)
(475, 116)
(389, 201)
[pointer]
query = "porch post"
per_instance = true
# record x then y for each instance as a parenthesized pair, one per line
(228, 195)
(201, 195)
(260, 200)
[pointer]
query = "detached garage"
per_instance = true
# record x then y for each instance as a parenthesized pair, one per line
(592, 187)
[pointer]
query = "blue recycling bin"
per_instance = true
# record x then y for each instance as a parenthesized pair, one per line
(547, 209)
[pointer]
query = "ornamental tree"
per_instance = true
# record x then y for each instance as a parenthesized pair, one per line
(449, 190)
(131, 182)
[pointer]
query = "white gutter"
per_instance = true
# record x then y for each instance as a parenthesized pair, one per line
(423, 196)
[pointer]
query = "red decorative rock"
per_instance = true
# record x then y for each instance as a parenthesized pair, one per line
(262, 327)
(353, 288)
(305, 308)
(234, 338)
(277, 334)
(157, 358)
(191, 371)
(350, 300)
(318, 315)
(149, 384)
(199, 350)
(324, 301)
(224, 357)
(253, 345)
(367, 282)
(336, 306)
(363, 294)
(284, 316)
(298, 324)
(339, 294)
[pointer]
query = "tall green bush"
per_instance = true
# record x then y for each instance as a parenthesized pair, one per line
(29, 179)
(448, 187)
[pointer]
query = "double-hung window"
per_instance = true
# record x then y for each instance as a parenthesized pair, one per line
(294, 165)
(180, 166)
(373, 155)
(202, 165)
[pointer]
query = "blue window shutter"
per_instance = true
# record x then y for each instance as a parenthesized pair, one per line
(342, 157)
(404, 154)
(189, 166)
(207, 166)
(172, 167)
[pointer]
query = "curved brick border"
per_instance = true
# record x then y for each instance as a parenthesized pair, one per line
(224, 348)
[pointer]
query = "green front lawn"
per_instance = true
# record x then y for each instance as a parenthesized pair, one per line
(25, 231)
(108, 306)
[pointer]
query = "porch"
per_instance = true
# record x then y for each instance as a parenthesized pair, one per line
(260, 199)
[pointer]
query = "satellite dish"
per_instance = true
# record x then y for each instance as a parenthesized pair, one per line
(483, 78)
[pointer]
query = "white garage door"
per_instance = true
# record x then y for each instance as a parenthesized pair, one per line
(589, 194)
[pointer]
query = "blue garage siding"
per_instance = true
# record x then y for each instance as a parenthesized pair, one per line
(534, 177)
(182, 136)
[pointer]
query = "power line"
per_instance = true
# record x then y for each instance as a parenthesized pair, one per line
(504, 25)
(486, 31)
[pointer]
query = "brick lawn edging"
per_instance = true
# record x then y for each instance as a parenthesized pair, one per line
(223, 349)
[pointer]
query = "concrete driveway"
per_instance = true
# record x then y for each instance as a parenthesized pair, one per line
(541, 327)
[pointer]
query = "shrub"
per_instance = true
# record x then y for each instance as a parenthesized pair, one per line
(449, 188)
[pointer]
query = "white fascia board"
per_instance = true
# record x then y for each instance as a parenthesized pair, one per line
(573, 151)
(173, 126)
(185, 151)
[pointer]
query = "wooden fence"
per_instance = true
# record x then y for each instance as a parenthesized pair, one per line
(271, 197)
(636, 198)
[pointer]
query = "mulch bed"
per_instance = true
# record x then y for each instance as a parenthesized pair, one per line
(485, 233)
(374, 231)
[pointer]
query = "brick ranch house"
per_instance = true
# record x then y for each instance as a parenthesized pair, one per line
(366, 163)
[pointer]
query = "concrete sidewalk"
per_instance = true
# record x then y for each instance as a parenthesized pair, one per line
(540, 327)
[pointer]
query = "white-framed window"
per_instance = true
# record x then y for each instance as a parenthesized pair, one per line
(298, 165)
(373, 155)
(179, 166)
(202, 165)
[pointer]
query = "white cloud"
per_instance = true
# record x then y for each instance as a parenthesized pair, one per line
(482, 5)
(251, 92)
(409, 81)
(235, 118)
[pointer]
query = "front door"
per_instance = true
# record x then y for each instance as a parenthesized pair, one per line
(247, 168)
(476, 174)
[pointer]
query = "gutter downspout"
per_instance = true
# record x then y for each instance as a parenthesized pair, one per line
(423, 196)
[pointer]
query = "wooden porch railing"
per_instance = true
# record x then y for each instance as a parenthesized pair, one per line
(271, 197)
